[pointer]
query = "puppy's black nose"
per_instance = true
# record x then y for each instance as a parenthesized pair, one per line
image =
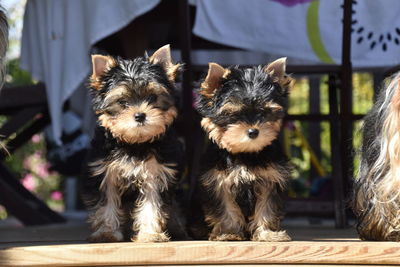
(252, 133)
(140, 116)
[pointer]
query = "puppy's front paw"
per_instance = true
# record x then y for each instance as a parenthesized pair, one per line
(393, 236)
(102, 237)
(150, 237)
(270, 236)
(227, 237)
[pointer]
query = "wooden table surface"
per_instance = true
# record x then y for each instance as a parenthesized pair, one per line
(65, 245)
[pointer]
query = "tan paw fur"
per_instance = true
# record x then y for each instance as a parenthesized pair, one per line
(227, 237)
(271, 236)
(150, 237)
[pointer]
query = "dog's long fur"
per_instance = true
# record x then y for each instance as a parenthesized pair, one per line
(376, 199)
(136, 155)
(244, 169)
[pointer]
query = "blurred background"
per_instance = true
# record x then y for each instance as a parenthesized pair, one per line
(49, 52)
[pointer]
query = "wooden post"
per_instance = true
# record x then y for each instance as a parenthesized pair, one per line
(191, 121)
(346, 122)
(337, 173)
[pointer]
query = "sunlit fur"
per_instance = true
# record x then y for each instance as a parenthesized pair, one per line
(243, 176)
(245, 99)
(151, 178)
(376, 199)
(134, 164)
(122, 93)
(235, 139)
(126, 129)
(231, 223)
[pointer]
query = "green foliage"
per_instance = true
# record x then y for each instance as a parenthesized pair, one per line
(299, 104)
(16, 76)
(363, 92)
(3, 213)
(299, 97)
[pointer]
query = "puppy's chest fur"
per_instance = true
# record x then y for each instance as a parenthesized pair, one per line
(241, 175)
(225, 169)
(133, 168)
(125, 171)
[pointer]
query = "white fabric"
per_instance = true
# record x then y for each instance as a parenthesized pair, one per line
(58, 35)
(304, 29)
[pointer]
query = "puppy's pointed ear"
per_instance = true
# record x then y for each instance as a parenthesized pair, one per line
(101, 64)
(277, 70)
(213, 79)
(163, 57)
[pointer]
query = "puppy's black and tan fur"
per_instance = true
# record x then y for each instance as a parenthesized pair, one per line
(244, 169)
(136, 155)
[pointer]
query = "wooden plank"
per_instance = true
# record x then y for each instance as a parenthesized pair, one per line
(34, 127)
(297, 69)
(203, 252)
(20, 119)
(14, 98)
(64, 245)
(279, 265)
(318, 117)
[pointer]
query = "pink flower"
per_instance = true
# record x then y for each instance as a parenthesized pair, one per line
(29, 182)
(27, 163)
(56, 195)
(42, 170)
(36, 138)
(37, 155)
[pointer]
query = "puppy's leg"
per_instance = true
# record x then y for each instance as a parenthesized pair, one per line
(106, 217)
(229, 224)
(265, 223)
(150, 216)
(224, 215)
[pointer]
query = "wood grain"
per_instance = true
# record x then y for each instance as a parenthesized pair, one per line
(203, 252)
(65, 245)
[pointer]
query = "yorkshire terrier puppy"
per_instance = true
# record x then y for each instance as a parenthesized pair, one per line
(244, 168)
(136, 155)
(376, 198)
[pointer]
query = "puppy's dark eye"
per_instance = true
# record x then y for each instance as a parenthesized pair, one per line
(122, 103)
(274, 113)
(152, 98)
